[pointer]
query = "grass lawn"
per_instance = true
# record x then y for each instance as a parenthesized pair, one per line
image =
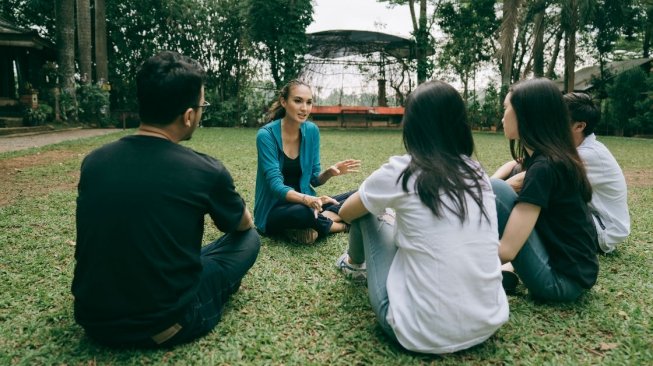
(294, 307)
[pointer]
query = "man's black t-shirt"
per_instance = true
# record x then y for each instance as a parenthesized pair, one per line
(140, 220)
(564, 224)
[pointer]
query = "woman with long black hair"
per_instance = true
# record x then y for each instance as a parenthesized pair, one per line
(424, 233)
(546, 230)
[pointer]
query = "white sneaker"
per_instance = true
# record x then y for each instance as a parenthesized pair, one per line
(354, 272)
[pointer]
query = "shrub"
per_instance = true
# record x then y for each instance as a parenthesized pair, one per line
(93, 104)
(37, 116)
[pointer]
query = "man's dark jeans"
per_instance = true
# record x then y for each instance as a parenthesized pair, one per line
(224, 263)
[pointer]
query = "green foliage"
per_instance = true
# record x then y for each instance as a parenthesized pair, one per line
(422, 25)
(27, 14)
(644, 108)
(208, 31)
(474, 116)
(621, 115)
(37, 116)
(610, 18)
(67, 106)
(492, 109)
(49, 75)
(487, 112)
(93, 104)
(278, 29)
(469, 27)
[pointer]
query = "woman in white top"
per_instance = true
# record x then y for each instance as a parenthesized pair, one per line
(431, 263)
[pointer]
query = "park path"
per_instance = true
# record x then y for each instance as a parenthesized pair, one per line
(21, 142)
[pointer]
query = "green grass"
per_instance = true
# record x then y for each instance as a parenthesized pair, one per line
(294, 308)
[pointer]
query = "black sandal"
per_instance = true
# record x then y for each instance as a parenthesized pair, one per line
(509, 281)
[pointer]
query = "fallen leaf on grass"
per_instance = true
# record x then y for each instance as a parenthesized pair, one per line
(623, 314)
(70, 242)
(607, 346)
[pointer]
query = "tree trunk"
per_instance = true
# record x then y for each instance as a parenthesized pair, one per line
(84, 40)
(554, 56)
(519, 52)
(65, 36)
(571, 27)
(508, 25)
(538, 44)
(648, 32)
(101, 56)
(422, 40)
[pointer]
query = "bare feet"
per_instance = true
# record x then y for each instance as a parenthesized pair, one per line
(338, 227)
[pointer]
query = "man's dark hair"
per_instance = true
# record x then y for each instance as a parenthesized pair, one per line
(582, 109)
(167, 84)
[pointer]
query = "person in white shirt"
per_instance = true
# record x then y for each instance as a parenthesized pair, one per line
(424, 233)
(609, 204)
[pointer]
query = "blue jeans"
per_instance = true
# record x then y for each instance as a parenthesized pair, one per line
(371, 240)
(532, 261)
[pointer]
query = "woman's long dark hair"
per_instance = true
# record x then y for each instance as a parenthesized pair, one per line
(439, 140)
(276, 110)
(543, 125)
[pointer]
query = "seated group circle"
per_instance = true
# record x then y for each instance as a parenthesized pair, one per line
(436, 240)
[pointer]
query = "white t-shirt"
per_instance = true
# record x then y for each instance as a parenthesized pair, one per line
(609, 205)
(444, 285)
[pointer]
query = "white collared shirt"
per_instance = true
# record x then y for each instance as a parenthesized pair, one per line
(609, 205)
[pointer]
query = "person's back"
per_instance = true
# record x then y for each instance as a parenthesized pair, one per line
(609, 203)
(444, 285)
(142, 277)
(140, 215)
(431, 262)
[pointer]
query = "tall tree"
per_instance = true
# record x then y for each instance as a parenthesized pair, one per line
(422, 24)
(574, 15)
(507, 39)
(84, 44)
(539, 9)
(550, 70)
(101, 57)
(648, 27)
(469, 27)
(65, 40)
(279, 27)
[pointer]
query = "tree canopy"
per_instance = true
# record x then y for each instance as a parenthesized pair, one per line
(252, 47)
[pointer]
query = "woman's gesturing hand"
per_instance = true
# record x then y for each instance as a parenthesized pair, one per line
(315, 203)
(344, 167)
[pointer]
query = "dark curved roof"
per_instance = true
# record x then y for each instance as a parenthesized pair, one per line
(343, 42)
(13, 35)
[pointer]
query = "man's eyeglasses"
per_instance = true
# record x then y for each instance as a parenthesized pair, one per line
(204, 105)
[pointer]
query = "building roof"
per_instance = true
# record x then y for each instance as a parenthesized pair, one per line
(346, 42)
(583, 78)
(12, 35)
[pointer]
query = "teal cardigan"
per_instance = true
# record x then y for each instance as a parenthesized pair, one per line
(269, 180)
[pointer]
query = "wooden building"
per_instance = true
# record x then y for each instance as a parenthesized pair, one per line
(356, 116)
(22, 55)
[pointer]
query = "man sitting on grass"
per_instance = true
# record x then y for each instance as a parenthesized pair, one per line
(609, 204)
(142, 277)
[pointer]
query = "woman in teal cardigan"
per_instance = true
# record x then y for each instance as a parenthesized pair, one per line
(289, 167)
